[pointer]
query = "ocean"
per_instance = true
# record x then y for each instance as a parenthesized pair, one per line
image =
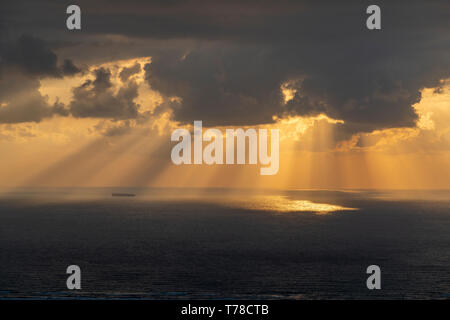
(224, 244)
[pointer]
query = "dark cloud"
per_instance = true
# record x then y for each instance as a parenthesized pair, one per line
(32, 109)
(33, 56)
(20, 99)
(22, 63)
(97, 98)
(369, 79)
(128, 72)
(218, 85)
(68, 68)
(226, 60)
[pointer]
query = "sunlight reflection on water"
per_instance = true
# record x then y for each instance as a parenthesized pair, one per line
(284, 204)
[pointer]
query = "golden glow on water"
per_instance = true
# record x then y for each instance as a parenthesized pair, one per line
(284, 204)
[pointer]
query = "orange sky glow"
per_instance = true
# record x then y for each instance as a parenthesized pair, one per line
(67, 151)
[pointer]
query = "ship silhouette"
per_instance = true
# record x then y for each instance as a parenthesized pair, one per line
(118, 194)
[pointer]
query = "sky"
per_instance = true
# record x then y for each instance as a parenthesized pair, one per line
(356, 108)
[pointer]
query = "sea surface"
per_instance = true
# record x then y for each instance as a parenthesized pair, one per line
(223, 244)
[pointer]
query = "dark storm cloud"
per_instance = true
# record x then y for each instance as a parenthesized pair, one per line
(370, 79)
(22, 63)
(33, 56)
(128, 72)
(227, 60)
(218, 84)
(97, 99)
(21, 99)
(69, 69)
(32, 109)
(28, 59)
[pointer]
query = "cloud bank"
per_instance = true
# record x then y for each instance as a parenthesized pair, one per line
(228, 60)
